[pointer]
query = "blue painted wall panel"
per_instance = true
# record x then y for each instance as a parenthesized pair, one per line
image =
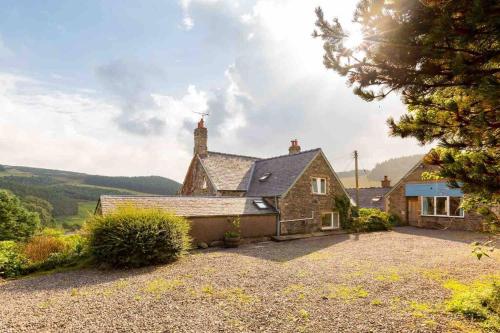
(431, 190)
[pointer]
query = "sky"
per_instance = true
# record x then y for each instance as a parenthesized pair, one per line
(116, 88)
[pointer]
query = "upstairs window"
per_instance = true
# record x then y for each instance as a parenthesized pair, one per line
(204, 184)
(318, 185)
(261, 204)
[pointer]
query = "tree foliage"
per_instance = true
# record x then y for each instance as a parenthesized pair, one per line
(443, 58)
(16, 223)
(148, 184)
(40, 206)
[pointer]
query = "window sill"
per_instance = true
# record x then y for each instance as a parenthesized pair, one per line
(328, 228)
(318, 193)
(456, 217)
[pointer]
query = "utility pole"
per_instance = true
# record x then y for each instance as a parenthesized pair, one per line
(356, 176)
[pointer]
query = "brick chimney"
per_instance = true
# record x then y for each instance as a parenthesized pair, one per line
(386, 182)
(200, 139)
(294, 148)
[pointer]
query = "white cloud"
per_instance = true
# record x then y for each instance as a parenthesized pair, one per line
(278, 89)
(45, 127)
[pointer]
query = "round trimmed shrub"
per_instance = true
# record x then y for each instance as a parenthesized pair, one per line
(133, 237)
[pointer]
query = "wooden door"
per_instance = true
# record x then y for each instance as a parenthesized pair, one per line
(413, 210)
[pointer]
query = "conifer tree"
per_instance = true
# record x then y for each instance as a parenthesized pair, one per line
(443, 58)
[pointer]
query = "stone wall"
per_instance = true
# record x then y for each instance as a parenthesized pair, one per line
(301, 203)
(396, 203)
(193, 183)
(212, 228)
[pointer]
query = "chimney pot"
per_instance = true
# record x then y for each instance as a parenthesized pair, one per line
(294, 148)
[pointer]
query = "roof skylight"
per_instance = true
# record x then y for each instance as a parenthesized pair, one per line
(264, 177)
(260, 204)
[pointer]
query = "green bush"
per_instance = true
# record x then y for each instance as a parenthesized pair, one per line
(132, 237)
(73, 252)
(372, 219)
(479, 300)
(18, 258)
(16, 223)
(12, 262)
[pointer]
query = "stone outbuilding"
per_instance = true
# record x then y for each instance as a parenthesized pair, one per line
(429, 203)
(210, 216)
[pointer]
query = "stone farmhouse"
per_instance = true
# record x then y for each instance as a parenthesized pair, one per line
(429, 203)
(273, 197)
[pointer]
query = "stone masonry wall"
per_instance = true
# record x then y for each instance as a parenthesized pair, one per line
(193, 184)
(301, 203)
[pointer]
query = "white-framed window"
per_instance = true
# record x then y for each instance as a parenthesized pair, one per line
(330, 220)
(318, 185)
(442, 206)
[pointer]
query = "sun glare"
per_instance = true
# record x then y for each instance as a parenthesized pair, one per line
(355, 36)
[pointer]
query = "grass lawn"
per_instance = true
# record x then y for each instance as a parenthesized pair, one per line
(398, 281)
(76, 221)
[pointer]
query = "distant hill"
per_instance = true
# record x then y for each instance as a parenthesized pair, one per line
(149, 184)
(394, 168)
(66, 189)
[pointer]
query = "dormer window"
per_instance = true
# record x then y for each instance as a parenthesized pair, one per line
(261, 204)
(264, 177)
(318, 185)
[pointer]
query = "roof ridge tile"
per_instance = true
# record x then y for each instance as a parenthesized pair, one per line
(288, 155)
(234, 155)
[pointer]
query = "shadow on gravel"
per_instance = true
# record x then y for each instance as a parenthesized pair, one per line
(444, 234)
(289, 250)
(71, 279)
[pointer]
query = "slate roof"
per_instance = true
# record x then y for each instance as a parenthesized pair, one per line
(367, 196)
(284, 171)
(228, 172)
(188, 206)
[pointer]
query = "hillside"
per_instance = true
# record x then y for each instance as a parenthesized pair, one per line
(394, 168)
(73, 194)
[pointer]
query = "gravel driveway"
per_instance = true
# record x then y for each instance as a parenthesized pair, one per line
(377, 282)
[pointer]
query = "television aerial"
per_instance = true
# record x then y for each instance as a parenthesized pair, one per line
(202, 114)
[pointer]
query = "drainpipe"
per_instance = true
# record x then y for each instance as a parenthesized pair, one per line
(278, 218)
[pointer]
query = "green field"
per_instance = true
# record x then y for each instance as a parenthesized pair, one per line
(85, 208)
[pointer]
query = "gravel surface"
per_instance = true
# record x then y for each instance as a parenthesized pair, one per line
(377, 282)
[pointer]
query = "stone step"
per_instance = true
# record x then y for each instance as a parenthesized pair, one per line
(302, 236)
